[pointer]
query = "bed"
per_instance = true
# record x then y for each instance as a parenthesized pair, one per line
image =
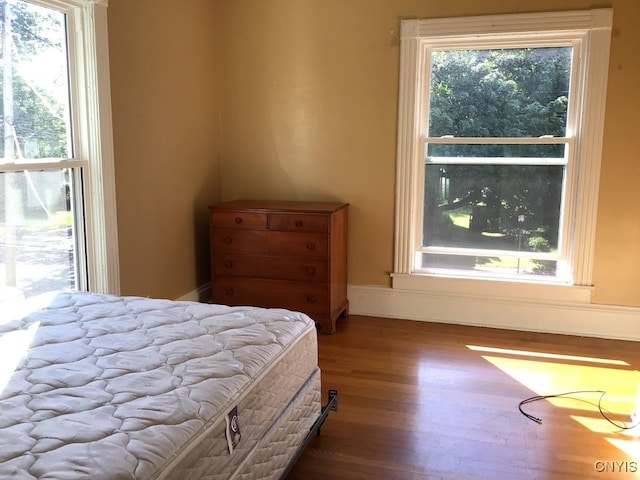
(110, 387)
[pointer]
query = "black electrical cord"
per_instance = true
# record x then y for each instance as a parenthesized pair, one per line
(569, 394)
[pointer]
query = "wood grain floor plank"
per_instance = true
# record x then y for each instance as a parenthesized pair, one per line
(440, 402)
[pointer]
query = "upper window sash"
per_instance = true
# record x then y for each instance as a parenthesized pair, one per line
(428, 44)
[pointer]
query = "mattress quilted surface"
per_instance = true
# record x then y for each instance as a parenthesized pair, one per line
(98, 386)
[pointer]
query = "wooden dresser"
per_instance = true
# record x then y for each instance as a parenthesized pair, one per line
(281, 254)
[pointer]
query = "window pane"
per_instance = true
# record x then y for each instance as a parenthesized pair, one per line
(492, 266)
(37, 247)
(520, 92)
(37, 230)
(35, 101)
(495, 150)
(497, 207)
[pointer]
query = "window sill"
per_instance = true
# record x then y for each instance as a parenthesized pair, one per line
(492, 288)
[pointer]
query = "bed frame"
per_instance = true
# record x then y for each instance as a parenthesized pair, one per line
(331, 406)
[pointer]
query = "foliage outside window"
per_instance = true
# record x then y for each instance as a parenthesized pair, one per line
(492, 145)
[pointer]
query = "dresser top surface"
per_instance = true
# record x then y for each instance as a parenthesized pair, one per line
(275, 205)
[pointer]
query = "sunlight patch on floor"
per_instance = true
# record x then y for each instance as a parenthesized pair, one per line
(631, 447)
(599, 424)
(526, 353)
(553, 374)
(549, 378)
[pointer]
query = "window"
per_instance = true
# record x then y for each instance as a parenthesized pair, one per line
(500, 127)
(57, 211)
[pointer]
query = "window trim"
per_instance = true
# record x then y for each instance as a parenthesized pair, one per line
(594, 28)
(90, 86)
(93, 88)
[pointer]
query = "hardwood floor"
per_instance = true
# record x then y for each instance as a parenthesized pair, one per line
(440, 402)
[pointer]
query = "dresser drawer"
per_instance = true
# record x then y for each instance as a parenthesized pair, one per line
(240, 241)
(264, 242)
(309, 298)
(298, 222)
(239, 220)
(299, 269)
(285, 244)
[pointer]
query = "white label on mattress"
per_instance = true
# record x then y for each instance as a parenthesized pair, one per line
(233, 429)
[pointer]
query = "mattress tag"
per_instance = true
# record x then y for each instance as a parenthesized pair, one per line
(233, 429)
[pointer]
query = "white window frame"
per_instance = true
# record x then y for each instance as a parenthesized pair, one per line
(589, 32)
(95, 140)
(90, 96)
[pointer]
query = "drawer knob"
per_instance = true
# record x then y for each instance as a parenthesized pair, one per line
(310, 271)
(311, 246)
(227, 240)
(238, 220)
(311, 299)
(228, 291)
(228, 264)
(298, 223)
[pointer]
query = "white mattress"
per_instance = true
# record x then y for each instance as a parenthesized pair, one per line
(98, 386)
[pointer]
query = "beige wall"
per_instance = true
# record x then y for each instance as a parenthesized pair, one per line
(307, 104)
(309, 112)
(165, 118)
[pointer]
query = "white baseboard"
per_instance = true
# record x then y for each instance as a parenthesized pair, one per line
(201, 294)
(570, 318)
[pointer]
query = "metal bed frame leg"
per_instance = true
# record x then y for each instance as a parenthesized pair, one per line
(331, 406)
